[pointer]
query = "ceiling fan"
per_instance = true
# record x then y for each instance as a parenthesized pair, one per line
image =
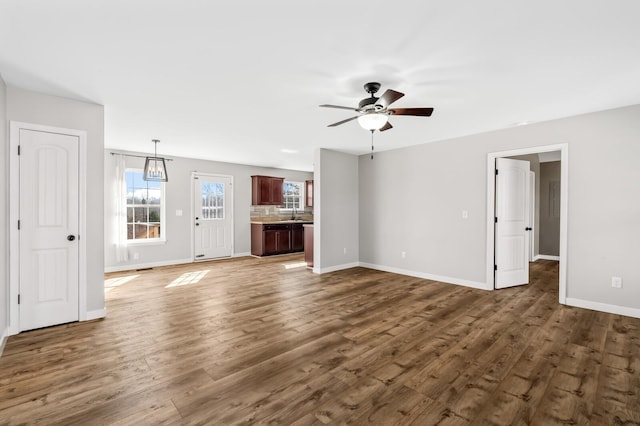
(374, 112)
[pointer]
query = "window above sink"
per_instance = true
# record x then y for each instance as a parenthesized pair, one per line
(292, 195)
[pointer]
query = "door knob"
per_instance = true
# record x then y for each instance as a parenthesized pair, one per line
(197, 224)
(527, 229)
(71, 237)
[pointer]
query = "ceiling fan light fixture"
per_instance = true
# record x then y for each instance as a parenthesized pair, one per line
(373, 121)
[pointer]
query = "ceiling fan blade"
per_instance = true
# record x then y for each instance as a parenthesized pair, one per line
(342, 122)
(389, 97)
(339, 107)
(387, 126)
(422, 112)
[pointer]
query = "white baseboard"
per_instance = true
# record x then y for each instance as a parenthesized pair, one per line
(335, 268)
(546, 257)
(449, 280)
(98, 313)
(603, 307)
(131, 267)
(3, 339)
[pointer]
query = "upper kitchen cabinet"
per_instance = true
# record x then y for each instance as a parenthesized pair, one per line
(308, 193)
(266, 190)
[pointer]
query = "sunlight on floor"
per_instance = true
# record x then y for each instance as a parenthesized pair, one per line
(188, 278)
(112, 283)
(293, 265)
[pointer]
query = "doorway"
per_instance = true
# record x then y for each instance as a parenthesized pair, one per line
(47, 191)
(213, 216)
(491, 211)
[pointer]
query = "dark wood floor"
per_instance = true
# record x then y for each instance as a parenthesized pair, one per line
(262, 341)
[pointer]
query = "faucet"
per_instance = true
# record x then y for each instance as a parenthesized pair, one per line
(293, 213)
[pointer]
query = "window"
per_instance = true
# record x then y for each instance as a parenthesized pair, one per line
(212, 200)
(145, 218)
(293, 195)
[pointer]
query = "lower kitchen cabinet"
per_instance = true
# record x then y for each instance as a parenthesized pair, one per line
(297, 237)
(276, 238)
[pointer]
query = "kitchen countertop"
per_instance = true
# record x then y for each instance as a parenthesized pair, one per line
(284, 222)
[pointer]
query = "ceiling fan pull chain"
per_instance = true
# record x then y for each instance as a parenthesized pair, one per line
(372, 144)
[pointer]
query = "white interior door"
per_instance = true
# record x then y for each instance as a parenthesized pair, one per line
(532, 215)
(512, 223)
(49, 224)
(213, 216)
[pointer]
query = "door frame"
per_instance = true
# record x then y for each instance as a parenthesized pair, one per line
(14, 216)
(564, 203)
(192, 213)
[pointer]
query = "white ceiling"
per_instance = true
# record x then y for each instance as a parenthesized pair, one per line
(240, 81)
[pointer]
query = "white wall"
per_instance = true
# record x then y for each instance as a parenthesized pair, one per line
(4, 214)
(336, 204)
(177, 248)
(36, 108)
(411, 200)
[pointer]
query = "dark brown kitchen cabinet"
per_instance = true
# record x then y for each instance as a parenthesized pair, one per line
(297, 237)
(270, 239)
(266, 190)
(308, 193)
(276, 238)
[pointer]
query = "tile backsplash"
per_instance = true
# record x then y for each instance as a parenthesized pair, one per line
(275, 213)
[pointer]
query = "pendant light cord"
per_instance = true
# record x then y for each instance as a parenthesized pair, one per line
(372, 144)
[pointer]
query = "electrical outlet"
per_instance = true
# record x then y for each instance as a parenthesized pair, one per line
(344, 250)
(136, 255)
(465, 214)
(616, 282)
(403, 254)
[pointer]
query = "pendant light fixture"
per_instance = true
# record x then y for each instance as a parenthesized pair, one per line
(155, 169)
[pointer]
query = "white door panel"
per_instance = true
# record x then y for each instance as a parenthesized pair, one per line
(512, 212)
(532, 214)
(213, 221)
(49, 223)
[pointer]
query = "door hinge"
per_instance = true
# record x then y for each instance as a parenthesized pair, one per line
(496, 172)
(496, 219)
(18, 225)
(18, 299)
(18, 149)
(495, 267)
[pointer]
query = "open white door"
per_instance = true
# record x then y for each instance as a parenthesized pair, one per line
(49, 225)
(213, 216)
(512, 223)
(532, 216)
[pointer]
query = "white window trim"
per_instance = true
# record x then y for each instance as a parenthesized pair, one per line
(163, 202)
(301, 204)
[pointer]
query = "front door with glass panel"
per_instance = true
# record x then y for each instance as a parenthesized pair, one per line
(213, 216)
